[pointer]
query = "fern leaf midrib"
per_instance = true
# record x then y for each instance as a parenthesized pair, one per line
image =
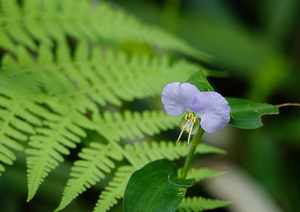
(33, 182)
(80, 181)
(32, 189)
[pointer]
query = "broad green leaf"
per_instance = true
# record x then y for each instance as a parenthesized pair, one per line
(155, 187)
(247, 115)
(199, 80)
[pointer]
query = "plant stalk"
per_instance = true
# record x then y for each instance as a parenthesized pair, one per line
(196, 140)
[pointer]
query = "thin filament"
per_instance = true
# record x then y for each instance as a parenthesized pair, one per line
(180, 135)
(193, 122)
(190, 134)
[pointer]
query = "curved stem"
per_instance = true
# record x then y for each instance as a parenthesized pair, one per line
(189, 158)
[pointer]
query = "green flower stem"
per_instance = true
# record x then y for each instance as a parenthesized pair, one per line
(196, 140)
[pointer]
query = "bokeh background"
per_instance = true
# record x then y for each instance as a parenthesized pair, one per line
(256, 49)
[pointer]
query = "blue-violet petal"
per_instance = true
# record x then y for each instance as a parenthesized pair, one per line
(176, 97)
(213, 109)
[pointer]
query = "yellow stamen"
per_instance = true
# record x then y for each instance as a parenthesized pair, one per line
(188, 127)
(194, 120)
(186, 117)
(183, 127)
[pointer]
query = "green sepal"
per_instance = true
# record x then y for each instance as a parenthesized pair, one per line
(196, 126)
(199, 80)
(155, 187)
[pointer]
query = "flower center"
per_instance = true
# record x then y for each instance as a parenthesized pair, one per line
(190, 122)
(188, 126)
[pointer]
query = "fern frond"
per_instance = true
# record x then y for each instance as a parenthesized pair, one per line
(114, 190)
(12, 26)
(47, 74)
(31, 10)
(110, 75)
(203, 173)
(189, 204)
(17, 119)
(6, 43)
(6, 156)
(50, 132)
(95, 160)
(49, 19)
(123, 27)
(143, 153)
(205, 148)
(124, 77)
(130, 124)
(12, 128)
(98, 77)
(50, 143)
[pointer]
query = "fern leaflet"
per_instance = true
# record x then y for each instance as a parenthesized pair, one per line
(127, 125)
(203, 173)
(48, 145)
(89, 170)
(144, 153)
(189, 204)
(114, 190)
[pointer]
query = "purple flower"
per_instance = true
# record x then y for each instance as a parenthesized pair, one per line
(211, 107)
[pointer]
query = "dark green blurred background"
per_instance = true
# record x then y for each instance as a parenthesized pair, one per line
(257, 44)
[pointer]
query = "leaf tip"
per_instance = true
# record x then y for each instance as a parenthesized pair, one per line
(29, 198)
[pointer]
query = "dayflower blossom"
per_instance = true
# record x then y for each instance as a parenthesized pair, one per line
(210, 107)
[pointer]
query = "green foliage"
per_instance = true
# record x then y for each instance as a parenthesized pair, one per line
(190, 204)
(247, 115)
(199, 80)
(143, 153)
(95, 160)
(203, 173)
(131, 124)
(48, 145)
(53, 19)
(64, 60)
(58, 66)
(155, 187)
(114, 190)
